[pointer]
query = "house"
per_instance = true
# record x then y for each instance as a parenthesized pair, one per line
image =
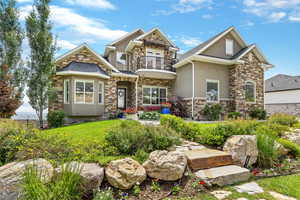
(282, 94)
(143, 69)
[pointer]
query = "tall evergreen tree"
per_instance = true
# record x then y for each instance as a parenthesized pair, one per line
(12, 70)
(43, 47)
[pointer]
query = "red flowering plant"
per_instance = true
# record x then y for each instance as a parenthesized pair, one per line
(166, 105)
(130, 110)
(151, 108)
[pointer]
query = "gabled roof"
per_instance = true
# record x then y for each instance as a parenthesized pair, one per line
(282, 82)
(126, 36)
(84, 45)
(151, 31)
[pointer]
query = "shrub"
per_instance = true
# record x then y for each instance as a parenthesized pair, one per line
(104, 195)
(186, 130)
(150, 116)
(177, 107)
(268, 152)
(258, 113)
(65, 186)
(56, 118)
(212, 112)
(234, 115)
(141, 156)
(131, 136)
(283, 119)
(295, 149)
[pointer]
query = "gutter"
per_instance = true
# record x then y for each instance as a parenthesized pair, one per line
(193, 86)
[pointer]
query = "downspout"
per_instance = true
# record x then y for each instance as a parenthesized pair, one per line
(193, 86)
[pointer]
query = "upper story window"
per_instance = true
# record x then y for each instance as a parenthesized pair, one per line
(84, 92)
(66, 91)
(121, 58)
(250, 92)
(154, 58)
(212, 90)
(101, 93)
(229, 47)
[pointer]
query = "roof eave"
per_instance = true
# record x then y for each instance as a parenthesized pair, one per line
(66, 73)
(132, 44)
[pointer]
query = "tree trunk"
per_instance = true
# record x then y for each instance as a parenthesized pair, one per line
(41, 119)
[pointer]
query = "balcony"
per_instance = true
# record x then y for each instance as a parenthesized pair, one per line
(155, 63)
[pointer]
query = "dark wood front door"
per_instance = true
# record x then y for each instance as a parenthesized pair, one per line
(122, 98)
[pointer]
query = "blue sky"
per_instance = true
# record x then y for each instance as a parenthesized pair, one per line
(274, 25)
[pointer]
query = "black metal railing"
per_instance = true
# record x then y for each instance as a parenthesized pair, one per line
(153, 62)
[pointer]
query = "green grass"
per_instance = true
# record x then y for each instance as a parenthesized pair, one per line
(86, 132)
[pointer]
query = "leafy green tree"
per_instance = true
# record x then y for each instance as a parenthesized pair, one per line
(43, 47)
(12, 69)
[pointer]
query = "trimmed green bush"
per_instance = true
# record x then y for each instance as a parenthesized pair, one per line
(234, 115)
(283, 119)
(295, 149)
(258, 113)
(212, 112)
(56, 118)
(131, 136)
(150, 116)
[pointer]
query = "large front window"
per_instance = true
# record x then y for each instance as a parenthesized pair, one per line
(154, 95)
(84, 92)
(212, 90)
(250, 92)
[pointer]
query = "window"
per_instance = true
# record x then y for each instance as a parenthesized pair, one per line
(250, 92)
(66, 91)
(121, 58)
(229, 47)
(154, 95)
(84, 92)
(212, 90)
(100, 93)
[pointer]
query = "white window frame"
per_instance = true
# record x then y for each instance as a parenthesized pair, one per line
(121, 52)
(66, 92)
(154, 52)
(102, 92)
(84, 82)
(156, 87)
(254, 84)
(229, 42)
(212, 81)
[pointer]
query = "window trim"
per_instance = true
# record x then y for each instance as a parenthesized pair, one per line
(84, 81)
(212, 81)
(65, 92)
(121, 53)
(254, 84)
(102, 92)
(151, 86)
(226, 42)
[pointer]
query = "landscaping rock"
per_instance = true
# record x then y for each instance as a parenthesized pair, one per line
(250, 188)
(221, 194)
(278, 196)
(186, 146)
(241, 146)
(92, 174)
(11, 175)
(225, 175)
(207, 158)
(164, 165)
(125, 173)
(294, 136)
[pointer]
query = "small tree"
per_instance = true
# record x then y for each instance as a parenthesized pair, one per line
(12, 70)
(43, 47)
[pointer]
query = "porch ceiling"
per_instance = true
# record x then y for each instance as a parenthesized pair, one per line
(158, 74)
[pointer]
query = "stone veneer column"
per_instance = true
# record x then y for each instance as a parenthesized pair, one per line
(110, 98)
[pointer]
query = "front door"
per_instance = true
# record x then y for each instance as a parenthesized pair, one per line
(122, 98)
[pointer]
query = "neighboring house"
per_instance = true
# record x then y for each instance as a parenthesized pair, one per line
(282, 94)
(142, 69)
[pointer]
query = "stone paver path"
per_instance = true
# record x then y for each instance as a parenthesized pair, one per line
(221, 194)
(250, 188)
(278, 196)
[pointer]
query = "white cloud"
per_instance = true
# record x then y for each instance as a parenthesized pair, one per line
(66, 45)
(276, 16)
(249, 23)
(190, 41)
(104, 4)
(295, 17)
(207, 16)
(68, 19)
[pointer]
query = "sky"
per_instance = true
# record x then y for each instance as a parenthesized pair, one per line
(274, 25)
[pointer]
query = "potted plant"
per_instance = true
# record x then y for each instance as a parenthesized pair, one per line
(165, 108)
(131, 113)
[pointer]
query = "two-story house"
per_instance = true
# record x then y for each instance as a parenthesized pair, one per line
(143, 69)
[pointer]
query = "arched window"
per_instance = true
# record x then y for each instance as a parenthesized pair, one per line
(250, 92)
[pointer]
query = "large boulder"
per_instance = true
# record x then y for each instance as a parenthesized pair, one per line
(241, 146)
(11, 176)
(293, 136)
(125, 173)
(92, 174)
(167, 166)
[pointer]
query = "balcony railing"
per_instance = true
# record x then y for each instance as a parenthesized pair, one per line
(153, 62)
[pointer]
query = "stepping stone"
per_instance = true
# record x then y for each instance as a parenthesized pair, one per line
(226, 175)
(207, 158)
(242, 198)
(250, 188)
(278, 196)
(221, 194)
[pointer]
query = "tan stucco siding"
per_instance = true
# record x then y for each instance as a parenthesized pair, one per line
(218, 49)
(209, 71)
(183, 83)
